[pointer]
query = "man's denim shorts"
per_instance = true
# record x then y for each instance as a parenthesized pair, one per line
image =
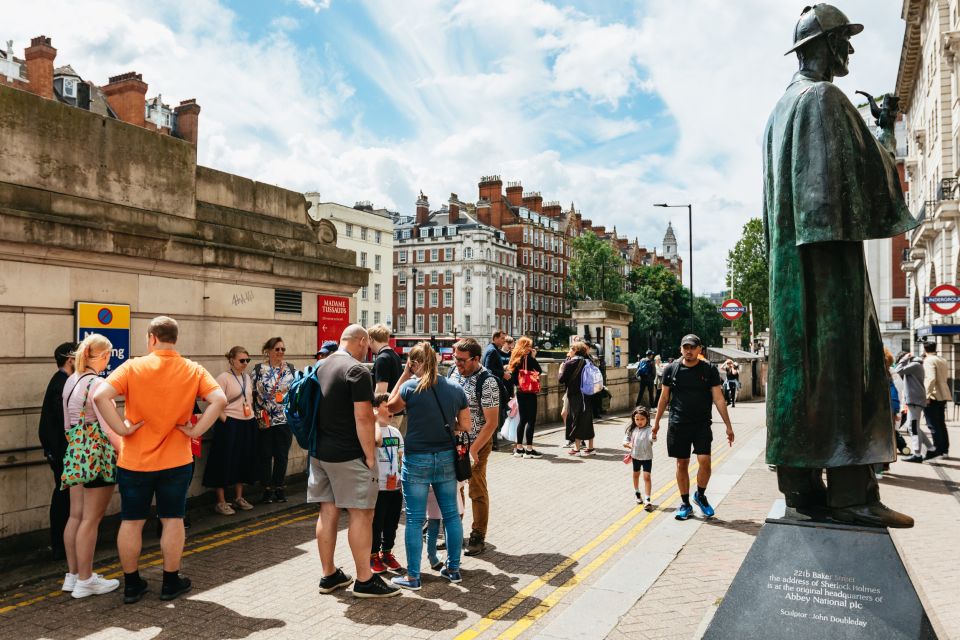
(137, 489)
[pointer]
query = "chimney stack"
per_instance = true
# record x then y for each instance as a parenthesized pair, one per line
(423, 209)
(127, 96)
(515, 193)
(552, 209)
(188, 117)
(453, 215)
(39, 58)
(533, 201)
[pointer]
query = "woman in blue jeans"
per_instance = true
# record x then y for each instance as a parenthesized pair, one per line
(436, 407)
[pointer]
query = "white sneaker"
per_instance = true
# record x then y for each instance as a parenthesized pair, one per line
(69, 582)
(224, 509)
(95, 585)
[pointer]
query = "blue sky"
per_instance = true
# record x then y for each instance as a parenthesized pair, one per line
(609, 104)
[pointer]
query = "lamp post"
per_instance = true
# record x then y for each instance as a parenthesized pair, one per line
(690, 234)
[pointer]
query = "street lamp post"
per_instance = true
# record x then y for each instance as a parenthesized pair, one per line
(690, 234)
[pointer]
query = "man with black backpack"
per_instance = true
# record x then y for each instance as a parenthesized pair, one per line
(344, 473)
(492, 361)
(646, 372)
(692, 388)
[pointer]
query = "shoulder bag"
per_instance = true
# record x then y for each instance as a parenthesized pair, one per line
(529, 380)
(90, 455)
(461, 445)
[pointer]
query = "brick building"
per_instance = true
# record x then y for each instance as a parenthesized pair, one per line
(499, 263)
(124, 97)
(454, 273)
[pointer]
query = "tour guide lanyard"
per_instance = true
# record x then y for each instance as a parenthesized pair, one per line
(277, 394)
(247, 412)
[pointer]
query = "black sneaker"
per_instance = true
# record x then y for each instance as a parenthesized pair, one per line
(133, 592)
(532, 453)
(280, 495)
(267, 497)
(336, 580)
(175, 589)
(375, 587)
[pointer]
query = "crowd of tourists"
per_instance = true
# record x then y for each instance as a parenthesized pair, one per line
(397, 438)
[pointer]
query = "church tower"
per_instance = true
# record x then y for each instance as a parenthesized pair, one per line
(670, 244)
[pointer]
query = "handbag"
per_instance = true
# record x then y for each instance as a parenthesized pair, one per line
(529, 379)
(461, 445)
(89, 455)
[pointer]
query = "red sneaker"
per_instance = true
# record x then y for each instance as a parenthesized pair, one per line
(390, 562)
(376, 565)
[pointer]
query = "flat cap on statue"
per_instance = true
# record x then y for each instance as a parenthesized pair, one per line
(818, 20)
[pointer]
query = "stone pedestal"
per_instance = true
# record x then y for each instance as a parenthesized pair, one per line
(731, 338)
(613, 321)
(814, 580)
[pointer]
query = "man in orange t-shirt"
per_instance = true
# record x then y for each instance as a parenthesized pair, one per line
(155, 458)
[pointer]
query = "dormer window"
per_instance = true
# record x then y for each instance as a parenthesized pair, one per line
(69, 88)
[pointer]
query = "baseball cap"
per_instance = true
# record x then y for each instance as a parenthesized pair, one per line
(328, 347)
(650, 352)
(691, 339)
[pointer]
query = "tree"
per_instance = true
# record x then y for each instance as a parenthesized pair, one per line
(708, 321)
(660, 307)
(596, 270)
(748, 277)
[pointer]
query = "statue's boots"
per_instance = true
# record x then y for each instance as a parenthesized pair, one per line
(875, 514)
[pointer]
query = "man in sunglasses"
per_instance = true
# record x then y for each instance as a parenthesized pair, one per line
(483, 398)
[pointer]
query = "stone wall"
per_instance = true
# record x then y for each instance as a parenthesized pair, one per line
(93, 209)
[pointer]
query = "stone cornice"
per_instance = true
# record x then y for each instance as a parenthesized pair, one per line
(910, 53)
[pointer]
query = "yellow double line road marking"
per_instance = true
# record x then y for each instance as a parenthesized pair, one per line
(550, 601)
(204, 543)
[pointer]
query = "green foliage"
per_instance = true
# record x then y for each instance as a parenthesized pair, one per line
(560, 336)
(596, 270)
(708, 321)
(748, 276)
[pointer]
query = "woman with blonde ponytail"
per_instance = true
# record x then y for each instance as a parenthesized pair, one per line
(90, 488)
(436, 407)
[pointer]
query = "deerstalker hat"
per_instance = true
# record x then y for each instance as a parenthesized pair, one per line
(820, 19)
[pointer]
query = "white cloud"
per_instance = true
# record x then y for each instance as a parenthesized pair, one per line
(314, 5)
(522, 88)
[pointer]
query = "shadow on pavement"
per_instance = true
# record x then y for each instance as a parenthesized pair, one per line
(68, 619)
(933, 485)
(743, 526)
(480, 592)
(60, 617)
(534, 564)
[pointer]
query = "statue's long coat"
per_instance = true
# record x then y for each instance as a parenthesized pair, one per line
(828, 186)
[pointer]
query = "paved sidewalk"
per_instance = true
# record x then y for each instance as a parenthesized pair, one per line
(688, 592)
(563, 530)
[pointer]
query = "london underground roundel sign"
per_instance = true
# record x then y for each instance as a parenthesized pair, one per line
(732, 309)
(944, 299)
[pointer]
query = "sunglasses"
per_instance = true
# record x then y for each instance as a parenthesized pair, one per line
(463, 360)
(280, 349)
(244, 360)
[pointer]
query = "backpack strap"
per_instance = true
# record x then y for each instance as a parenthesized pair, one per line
(670, 373)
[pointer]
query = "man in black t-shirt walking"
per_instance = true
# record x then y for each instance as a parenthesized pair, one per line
(692, 388)
(344, 475)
